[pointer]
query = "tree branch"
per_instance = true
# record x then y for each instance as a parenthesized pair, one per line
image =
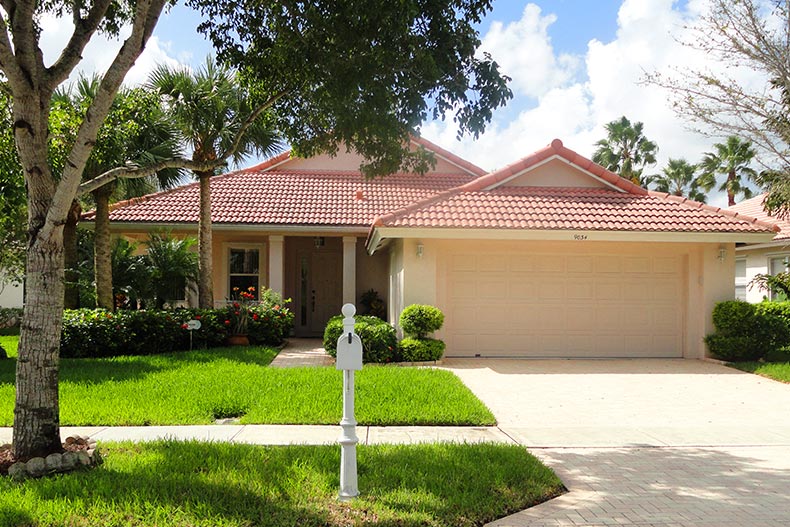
(84, 28)
(29, 57)
(249, 120)
(146, 15)
(7, 58)
(130, 172)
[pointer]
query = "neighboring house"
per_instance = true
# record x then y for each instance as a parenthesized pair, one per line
(11, 295)
(552, 256)
(771, 257)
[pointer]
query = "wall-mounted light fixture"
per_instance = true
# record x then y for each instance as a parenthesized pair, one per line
(420, 249)
(318, 241)
(722, 254)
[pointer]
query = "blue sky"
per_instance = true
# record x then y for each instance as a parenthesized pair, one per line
(575, 64)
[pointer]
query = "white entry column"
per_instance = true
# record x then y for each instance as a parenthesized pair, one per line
(349, 269)
(276, 244)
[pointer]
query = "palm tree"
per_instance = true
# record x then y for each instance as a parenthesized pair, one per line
(172, 265)
(680, 179)
(210, 108)
(731, 159)
(626, 151)
(136, 131)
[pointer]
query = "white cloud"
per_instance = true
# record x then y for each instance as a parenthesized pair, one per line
(647, 40)
(101, 50)
(524, 52)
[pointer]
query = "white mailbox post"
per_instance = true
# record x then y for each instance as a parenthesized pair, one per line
(349, 359)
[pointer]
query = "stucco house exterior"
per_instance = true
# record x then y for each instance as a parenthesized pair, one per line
(552, 256)
(769, 257)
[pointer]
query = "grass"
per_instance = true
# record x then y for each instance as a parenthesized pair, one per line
(776, 366)
(200, 386)
(9, 344)
(180, 484)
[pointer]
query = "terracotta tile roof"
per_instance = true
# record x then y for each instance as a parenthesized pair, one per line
(556, 148)
(561, 208)
(488, 203)
(287, 197)
(754, 207)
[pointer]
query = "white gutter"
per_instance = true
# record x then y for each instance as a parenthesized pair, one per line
(578, 236)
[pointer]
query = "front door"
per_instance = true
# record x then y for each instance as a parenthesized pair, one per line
(318, 285)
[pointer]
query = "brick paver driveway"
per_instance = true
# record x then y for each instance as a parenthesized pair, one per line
(645, 442)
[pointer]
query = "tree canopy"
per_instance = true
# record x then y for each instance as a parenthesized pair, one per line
(361, 73)
(625, 150)
(751, 37)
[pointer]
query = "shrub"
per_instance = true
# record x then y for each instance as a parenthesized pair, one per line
(3, 354)
(269, 324)
(417, 350)
(100, 333)
(748, 331)
(379, 342)
(373, 304)
(10, 317)
(419, 320)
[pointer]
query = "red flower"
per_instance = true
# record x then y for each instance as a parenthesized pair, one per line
(197, 317)
(184, 326)
(255, 316)
(227, 322)
(236, 313)
(236, 305)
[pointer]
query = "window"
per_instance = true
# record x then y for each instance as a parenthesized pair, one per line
(740, 279)
(776, 265)
(243, 269)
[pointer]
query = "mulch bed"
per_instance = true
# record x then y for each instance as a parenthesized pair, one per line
(72, 444)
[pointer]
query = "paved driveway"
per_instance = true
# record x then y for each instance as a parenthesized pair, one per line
(645, 442)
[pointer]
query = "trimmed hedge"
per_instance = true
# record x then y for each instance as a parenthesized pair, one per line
(3, 353)
(419, 350)
(419, 320)
(747, 332)
(379, 342)
(101, 333)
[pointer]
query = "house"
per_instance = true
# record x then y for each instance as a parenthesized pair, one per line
(552, 256)
(771, 257)
(11, 294)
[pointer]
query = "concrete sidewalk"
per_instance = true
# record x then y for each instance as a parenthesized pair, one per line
(286, 434)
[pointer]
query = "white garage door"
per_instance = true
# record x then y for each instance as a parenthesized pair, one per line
(522, 304)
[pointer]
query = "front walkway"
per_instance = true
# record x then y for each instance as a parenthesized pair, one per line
(302, 352)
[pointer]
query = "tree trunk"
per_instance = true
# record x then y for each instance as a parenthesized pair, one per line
(206, 276)
(102, 250)
(36, 413)
(71, 298)
(730, 193)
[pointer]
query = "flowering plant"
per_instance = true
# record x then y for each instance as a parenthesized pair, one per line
(238, 312)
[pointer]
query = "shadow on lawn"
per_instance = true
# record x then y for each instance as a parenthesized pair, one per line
(197, 483)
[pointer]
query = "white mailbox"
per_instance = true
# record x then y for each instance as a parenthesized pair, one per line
(349, 359)
(349, 345)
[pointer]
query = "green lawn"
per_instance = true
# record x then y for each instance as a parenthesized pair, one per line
(200, 386)
(9, 344)
(191, 484)
(776, 366)
(779, 371)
